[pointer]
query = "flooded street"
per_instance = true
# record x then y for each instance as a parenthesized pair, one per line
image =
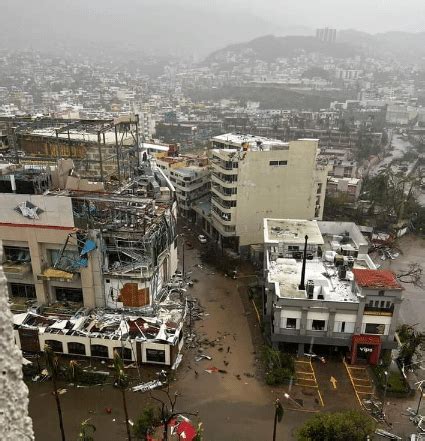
(233, 406)
(413, 306)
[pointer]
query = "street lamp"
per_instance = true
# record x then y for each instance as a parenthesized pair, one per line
(278, 415)
(385, 392)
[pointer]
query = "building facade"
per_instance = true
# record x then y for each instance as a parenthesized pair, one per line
(254, 177)
(335, 299)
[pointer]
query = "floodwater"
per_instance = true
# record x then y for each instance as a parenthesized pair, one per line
(232, 406)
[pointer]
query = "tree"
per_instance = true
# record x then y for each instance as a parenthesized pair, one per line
(280, 366)
(121, 381)
(352, 425)
(413, 274)
(86, 431)
(145, 423)
(167, 409)
(412, 342)
(52, 364)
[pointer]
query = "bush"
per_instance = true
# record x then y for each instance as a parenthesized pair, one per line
(280, 366)
(145, 423)
(352, 425)
(396, 383)
(278, 376)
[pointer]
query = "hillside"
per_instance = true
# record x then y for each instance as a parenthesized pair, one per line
(270, 47)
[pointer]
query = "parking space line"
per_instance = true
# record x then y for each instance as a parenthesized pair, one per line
(359, 389)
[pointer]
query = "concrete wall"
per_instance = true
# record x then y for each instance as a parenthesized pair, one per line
(285, 191)
(14, 420)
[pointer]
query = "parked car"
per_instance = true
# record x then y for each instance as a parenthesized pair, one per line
(202, 238)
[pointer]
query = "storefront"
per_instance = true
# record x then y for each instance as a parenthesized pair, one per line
(365, 348)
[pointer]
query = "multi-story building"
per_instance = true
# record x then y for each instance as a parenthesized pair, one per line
(69, 243)
(190, 176)
(326, 35)
(254, 178)
(349, 187)
(324, 292)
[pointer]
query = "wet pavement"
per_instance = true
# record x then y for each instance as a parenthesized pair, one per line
(234, 404)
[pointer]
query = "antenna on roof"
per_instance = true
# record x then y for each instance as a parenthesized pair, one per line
(301, 286)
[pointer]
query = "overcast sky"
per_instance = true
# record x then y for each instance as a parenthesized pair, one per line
(203, 24)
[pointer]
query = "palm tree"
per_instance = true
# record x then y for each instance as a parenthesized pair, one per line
(52, 364)
(121, 381)
(85, 429)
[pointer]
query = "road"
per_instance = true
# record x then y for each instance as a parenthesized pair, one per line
(230, 408)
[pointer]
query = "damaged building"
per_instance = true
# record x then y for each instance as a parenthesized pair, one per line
(70, 243)
(324, 293)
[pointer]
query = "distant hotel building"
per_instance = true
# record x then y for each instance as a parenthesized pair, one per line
(326, 34)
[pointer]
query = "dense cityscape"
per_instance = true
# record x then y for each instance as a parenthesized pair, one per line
(218, 247)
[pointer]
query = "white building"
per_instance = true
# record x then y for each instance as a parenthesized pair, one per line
(335, 298)
(255, 177)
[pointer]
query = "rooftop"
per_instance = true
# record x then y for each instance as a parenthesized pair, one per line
(252, 141)
(292, 231)
(376, 279)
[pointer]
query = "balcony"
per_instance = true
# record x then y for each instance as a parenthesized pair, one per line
(220, 219)
(218, 180)
(224, 205)
(371, 310)
(217, 190)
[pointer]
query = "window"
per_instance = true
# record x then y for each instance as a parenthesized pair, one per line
(374, 328)
(22, 290)
(278, 163)
(283, 162)
(381, 293)
(319, 188)
(69, 294)
(293, 247)
(274, 163)
(291, 323)
(124, 353)
(155, 355)
(318, 325)
(342, 326)
(55, 345)
(99, 351)
(17, 254)
(76, 348)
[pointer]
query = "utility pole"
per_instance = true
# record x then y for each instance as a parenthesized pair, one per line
(421, 389)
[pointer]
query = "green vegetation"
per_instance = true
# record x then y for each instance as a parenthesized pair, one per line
(280, 367)
(412, 343)
(396, 383)
(149, 419)
(269, 97)
(86, 431)
(351, 425)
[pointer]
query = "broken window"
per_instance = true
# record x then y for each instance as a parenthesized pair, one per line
(55, 345)
(76, 348)
(318, 325)
(291, 323)
(17, 254)
(155, 355)
(99, 351)
(124, 353)
(374, 328)
(22, 290)
(69, 294)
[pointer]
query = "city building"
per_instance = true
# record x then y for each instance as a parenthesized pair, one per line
(90, 265)
(190, 176)
(255, 177)
(323, 292)
(349, 187)
(326, 35)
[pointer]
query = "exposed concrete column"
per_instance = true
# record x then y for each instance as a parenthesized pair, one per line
(37, 264)
(331, 323)
(303, 322)
(359, 318)
(394, 319)
(14, 420)
(301, 350)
